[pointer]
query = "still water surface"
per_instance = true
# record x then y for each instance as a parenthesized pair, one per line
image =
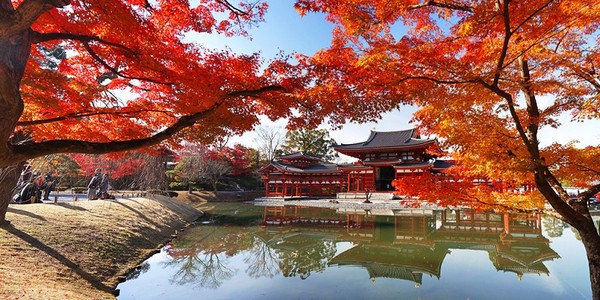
(241, 251)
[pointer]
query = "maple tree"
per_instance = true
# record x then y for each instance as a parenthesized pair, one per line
(201, 164)
(127, 170)
(111, 75)
(63, 168)
(487, 76)
(239, 158)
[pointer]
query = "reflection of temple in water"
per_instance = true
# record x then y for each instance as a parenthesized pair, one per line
(409, 243)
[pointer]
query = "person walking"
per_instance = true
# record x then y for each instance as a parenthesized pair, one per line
(48, 186)
(103, 187)
(94, 184)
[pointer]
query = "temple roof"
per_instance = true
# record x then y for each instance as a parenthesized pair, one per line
(388, 139)
(316, 168)
(441, 164)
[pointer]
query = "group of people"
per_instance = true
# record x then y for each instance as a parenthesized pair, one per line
(99, 186)
(31, 187)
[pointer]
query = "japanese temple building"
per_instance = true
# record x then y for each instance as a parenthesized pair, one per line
(382, 157)
(301, 174)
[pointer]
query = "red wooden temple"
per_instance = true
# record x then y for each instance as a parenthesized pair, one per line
(383, 157)
(300, 174)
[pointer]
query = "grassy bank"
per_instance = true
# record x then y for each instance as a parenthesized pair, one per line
(78, 250)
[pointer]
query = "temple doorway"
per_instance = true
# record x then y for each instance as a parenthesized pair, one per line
(384, 177)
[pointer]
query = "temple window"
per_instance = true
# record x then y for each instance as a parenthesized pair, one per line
(387, 156)
(407, 155)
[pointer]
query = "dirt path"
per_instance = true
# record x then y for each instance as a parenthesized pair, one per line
(78, 250)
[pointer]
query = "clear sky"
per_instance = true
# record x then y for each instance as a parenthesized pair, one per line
(284, 30)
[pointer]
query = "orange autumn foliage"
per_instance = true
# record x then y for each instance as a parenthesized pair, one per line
(112, 75)
(447, 191)
(488, 77)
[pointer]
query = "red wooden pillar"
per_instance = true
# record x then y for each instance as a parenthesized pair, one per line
(284, 191)
(348, 183)
(319, 189)
(267, 188)
(372, 187)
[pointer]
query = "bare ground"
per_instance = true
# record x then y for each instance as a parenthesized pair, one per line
(79, 250)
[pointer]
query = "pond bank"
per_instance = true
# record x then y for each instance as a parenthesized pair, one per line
(79, 250)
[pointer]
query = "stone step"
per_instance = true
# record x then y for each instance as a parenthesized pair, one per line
(373, 196)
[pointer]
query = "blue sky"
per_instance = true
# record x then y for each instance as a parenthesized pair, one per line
(284, 30)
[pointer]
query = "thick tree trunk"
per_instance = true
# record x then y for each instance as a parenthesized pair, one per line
(574, 212)
(14, 52)
(8, 180)
(577, 215)
(591, 242)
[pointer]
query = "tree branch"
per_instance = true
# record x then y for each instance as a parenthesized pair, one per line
(257, 92)
(558, 198)
(532, 108)
(114, 70)
(26, 14)
(504, 50)
(44, 37)
(585, 168)
(532, 15)
(439, 81)
(128, 114)
(23, 152)
(511, 108)
(232, 8)
(584, 196)
(450, 6)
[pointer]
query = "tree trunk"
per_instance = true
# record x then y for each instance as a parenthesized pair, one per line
(8, 180)
(591, 242)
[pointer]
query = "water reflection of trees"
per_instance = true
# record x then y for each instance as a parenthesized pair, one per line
(202, 254)
(554, 226)
(306, 260)
(262, 260)
(208, 270)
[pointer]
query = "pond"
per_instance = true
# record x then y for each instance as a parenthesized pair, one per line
(297, 252)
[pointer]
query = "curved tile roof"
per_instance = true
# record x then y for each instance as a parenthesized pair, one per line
(388, 139)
